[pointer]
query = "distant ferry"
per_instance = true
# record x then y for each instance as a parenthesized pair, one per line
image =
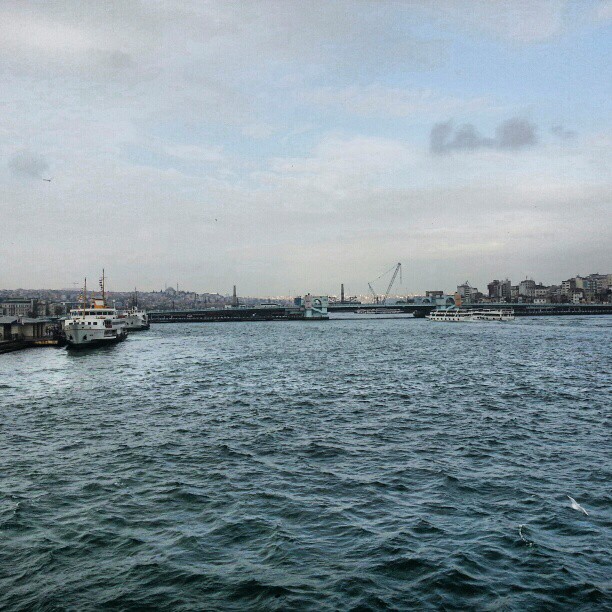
(459, 316)
(94, 325)
(379, 311)
(135, 319)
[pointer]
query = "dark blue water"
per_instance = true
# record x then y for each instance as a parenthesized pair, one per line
(355, 464)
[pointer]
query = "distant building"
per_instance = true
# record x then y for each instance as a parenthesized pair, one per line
(541, 294)
(568, 286)
(438, 298)
(577, 296)
(500, 291)
(594, 288)
(467, 293)
(527, 289)
(19, 307)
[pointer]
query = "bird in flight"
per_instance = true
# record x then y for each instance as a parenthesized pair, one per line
(48, 180)
(576, 506)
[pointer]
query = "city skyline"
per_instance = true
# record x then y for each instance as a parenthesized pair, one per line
(593, 286)
(292, 146)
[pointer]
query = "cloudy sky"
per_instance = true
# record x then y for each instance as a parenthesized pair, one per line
(290, 146)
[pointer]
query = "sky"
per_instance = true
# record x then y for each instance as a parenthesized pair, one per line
(287, 147)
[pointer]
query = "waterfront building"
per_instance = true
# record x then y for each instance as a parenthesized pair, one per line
(24, 328)
(19, 307)
(6, 327)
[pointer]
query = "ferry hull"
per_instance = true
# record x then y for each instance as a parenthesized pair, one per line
(95, 343)
(84, 338)
(137, 326)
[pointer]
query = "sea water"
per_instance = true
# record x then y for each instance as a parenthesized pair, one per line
(362, 463)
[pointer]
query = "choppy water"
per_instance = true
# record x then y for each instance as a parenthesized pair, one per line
(365, 464)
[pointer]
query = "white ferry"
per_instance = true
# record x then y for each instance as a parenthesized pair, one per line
(94, 325)
(135, 319)
(458, 316)
(379, 311)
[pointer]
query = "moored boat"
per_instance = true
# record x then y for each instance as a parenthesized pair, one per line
(135, 319)
(456, 315)
(379, 311)
(95, 324)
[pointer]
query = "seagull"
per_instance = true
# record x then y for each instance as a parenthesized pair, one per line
(48, 180)
(576, 506)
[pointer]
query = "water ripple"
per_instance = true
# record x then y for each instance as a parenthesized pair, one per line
(354, 464)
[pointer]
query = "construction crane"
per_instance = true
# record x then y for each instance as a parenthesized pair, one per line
(373, 293)
(397, 269)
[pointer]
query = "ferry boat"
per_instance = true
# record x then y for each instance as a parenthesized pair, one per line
(135, 319)
(456, 315)
(94, 325)
(379, 311)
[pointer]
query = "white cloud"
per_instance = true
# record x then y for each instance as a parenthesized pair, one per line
(192, 141)
(193, 153)
(377, 100)
(603, 11)
(518, 21)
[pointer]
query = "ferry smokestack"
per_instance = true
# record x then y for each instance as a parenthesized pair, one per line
(342, 293)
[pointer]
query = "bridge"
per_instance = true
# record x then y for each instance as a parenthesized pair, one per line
(272, 312)
(419, 310)
(520, 309)
(538, 310)
(295, 313)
